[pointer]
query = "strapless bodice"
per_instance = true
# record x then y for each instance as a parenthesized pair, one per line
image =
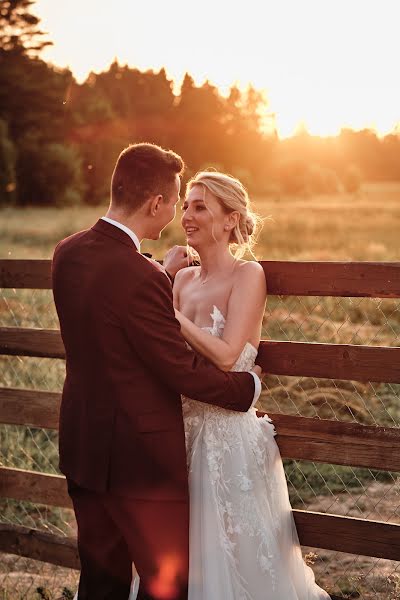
(247, 357)
(193, 409)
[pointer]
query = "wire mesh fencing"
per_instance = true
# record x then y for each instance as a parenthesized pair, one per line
(32, 449)
(341, 490)
(321, 487)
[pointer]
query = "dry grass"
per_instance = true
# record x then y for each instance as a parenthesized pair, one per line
(336, 227)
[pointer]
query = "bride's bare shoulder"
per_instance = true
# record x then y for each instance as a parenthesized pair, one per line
(247, 268)
(249, 272)
(184, 275)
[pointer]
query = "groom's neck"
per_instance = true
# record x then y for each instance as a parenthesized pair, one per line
(133, 222)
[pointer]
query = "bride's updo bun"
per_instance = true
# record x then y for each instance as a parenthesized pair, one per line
(250, 225)
(233, 196)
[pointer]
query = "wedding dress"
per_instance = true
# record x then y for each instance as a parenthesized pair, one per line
(243, 539)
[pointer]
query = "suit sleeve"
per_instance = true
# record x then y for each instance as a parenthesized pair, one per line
(154, 333)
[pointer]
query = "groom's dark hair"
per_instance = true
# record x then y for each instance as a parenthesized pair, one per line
(143, 170)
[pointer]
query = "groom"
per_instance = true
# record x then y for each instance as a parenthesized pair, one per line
(122, 443)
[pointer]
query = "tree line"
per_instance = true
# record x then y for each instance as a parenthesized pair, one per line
(59, 139)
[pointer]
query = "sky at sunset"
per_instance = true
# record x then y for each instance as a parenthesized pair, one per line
(323, 63)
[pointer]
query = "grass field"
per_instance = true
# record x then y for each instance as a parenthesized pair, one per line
(337, 227)
(341, 227)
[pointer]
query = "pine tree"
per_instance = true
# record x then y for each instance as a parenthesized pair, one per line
(19, 31)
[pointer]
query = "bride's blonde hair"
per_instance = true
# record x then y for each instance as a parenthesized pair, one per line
(232, 196)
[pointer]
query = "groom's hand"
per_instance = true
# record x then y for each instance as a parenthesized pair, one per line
(258, 370)
(175, 259)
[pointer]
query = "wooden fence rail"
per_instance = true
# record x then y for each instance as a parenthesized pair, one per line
(334, 361)
(284, 278)
(328, 441)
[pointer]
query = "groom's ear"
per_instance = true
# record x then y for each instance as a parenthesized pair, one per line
(154, 204)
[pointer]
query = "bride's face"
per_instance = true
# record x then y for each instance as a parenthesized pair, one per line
(203, 218)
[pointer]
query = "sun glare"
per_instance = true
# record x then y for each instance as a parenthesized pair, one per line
(325, 65)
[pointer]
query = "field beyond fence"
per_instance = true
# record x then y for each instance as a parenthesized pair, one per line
(332, 388)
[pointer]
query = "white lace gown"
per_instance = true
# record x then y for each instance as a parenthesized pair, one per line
(243, 538)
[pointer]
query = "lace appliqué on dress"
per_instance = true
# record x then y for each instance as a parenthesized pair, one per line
(221, 435)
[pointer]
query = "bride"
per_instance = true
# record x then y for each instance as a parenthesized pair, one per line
(243, 539)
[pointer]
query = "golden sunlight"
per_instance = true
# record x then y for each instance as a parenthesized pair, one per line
(324, 64)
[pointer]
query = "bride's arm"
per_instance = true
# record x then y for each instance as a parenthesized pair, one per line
(245, 308)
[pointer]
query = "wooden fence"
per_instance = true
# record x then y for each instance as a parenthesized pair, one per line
(326, 441)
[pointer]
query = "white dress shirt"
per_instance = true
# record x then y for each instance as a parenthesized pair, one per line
(131, 233)
(133, 236)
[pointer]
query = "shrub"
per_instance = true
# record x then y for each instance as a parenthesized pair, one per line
(49, 174)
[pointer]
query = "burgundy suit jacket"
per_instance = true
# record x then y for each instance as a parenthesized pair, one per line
(121, 425)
